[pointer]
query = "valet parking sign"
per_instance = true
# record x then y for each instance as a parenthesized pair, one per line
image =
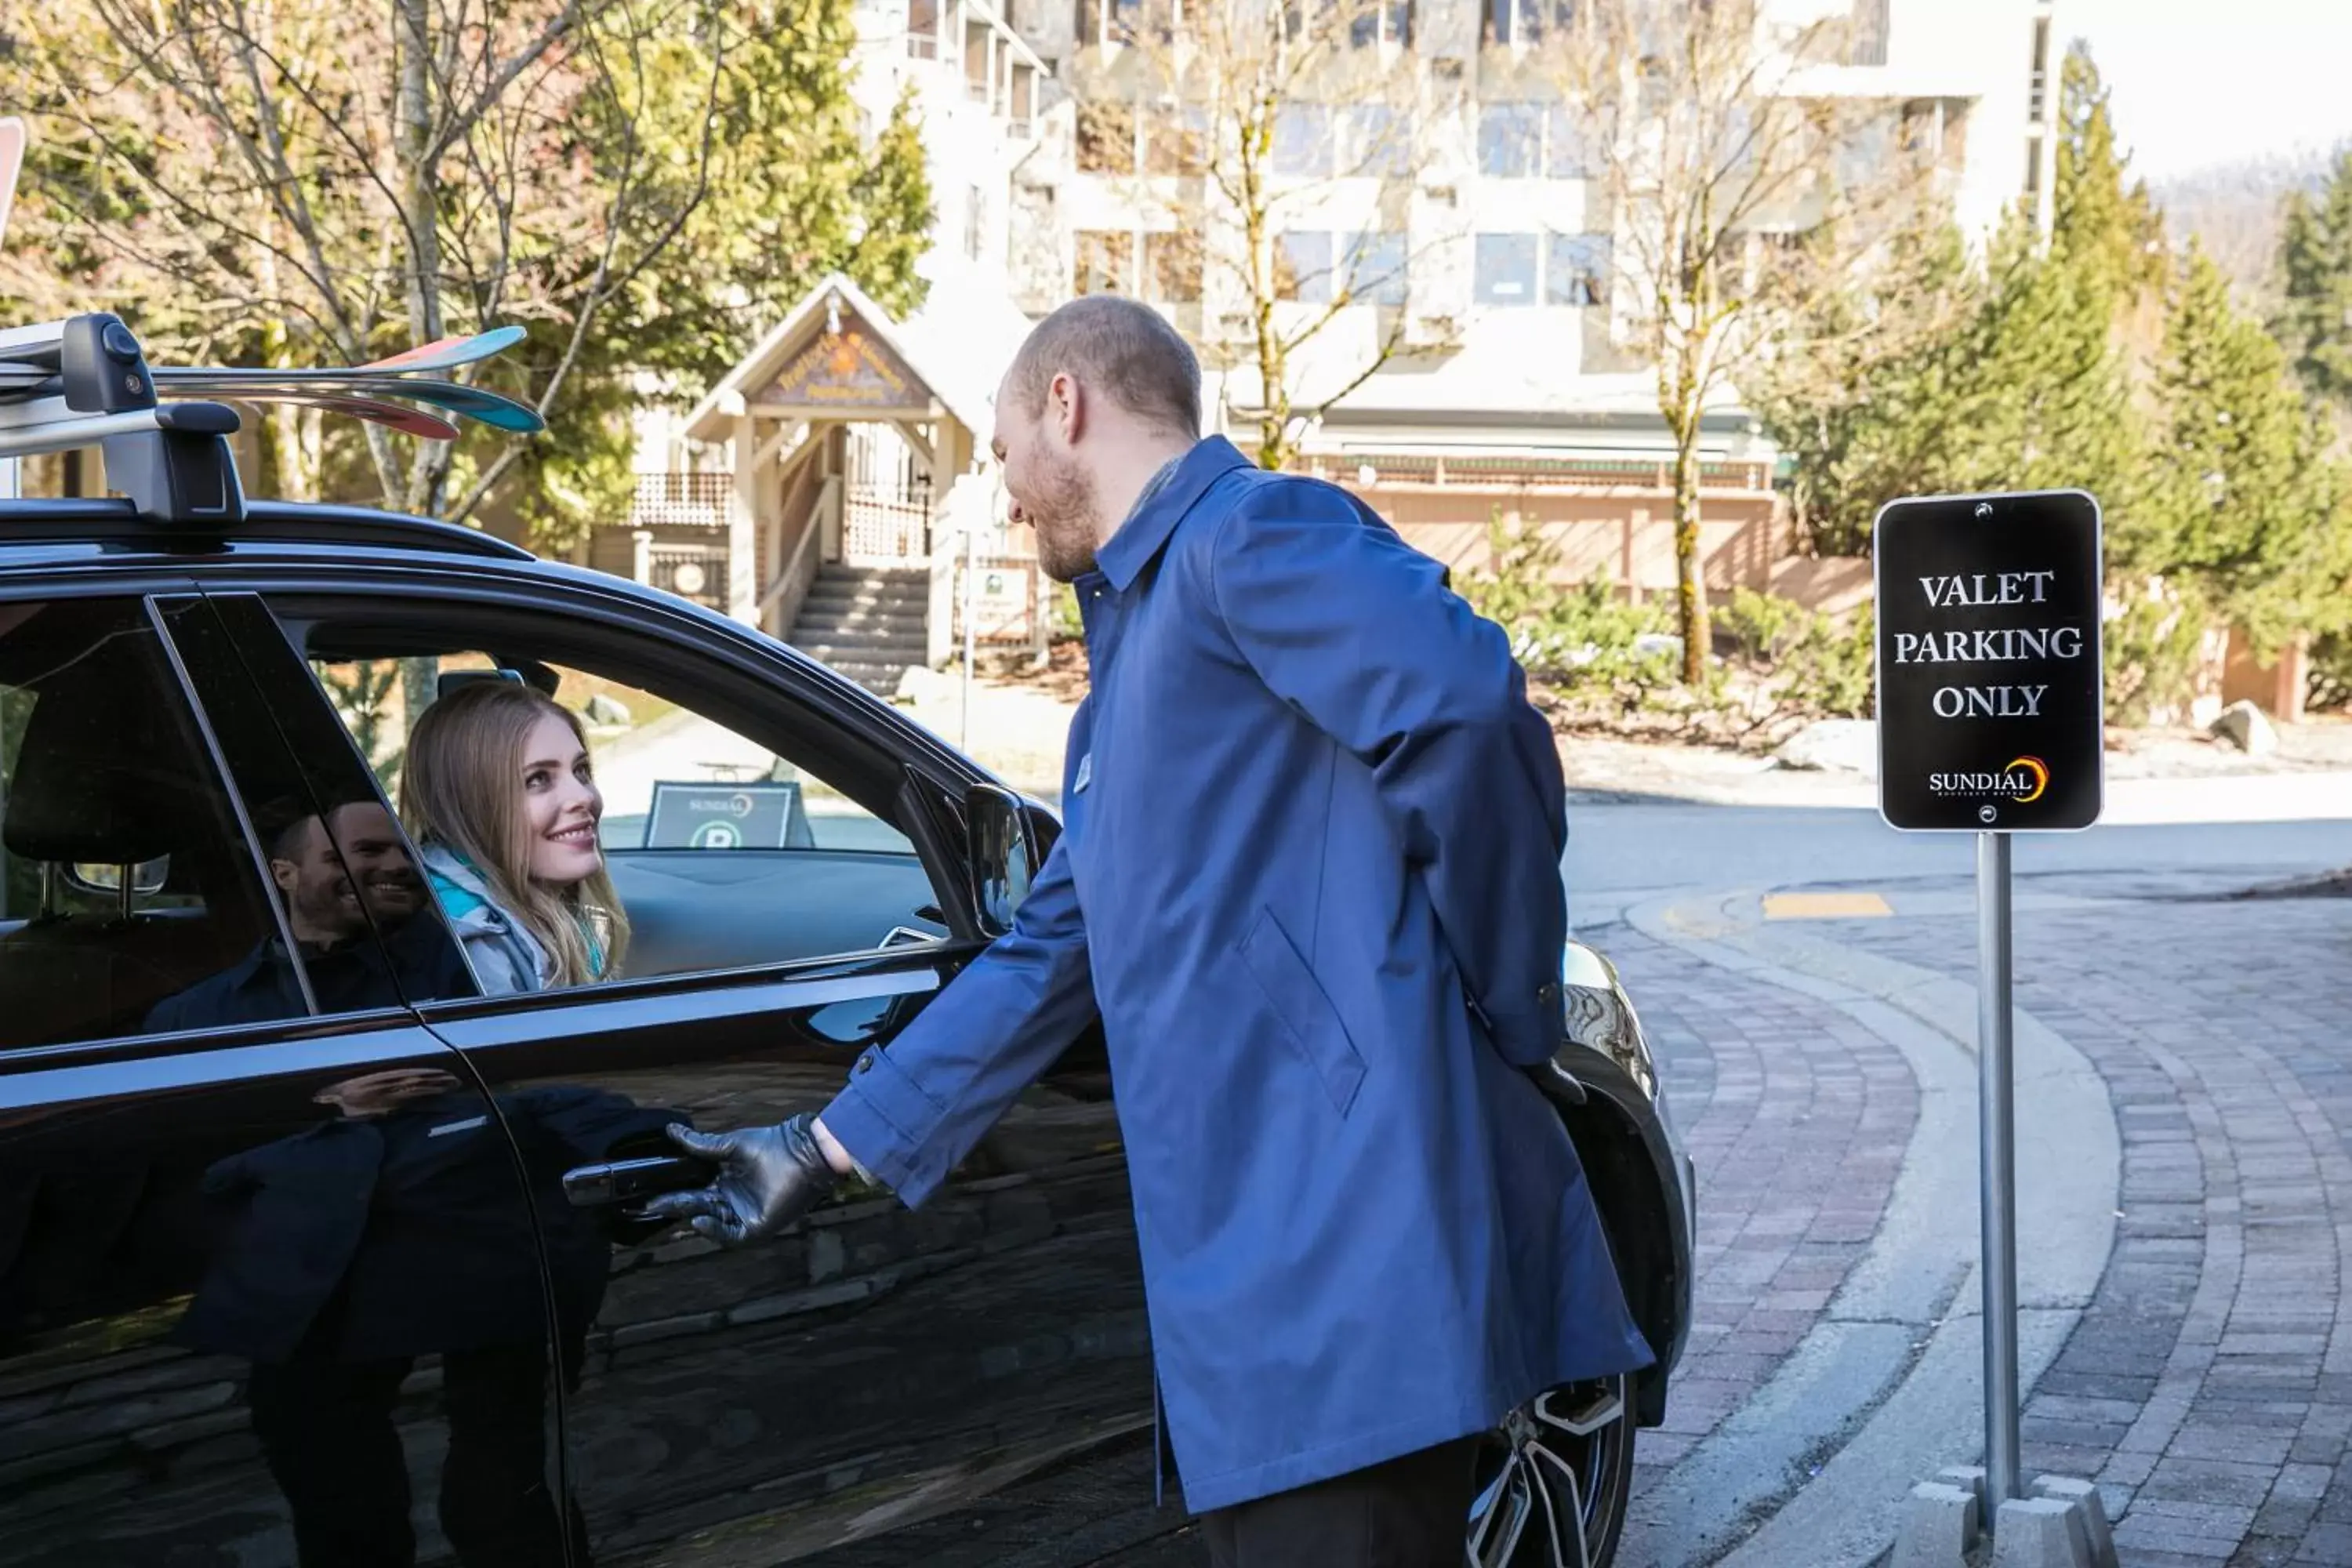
(1990, 721)
(1990, 700)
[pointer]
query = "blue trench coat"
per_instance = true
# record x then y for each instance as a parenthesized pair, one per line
(1309, 875)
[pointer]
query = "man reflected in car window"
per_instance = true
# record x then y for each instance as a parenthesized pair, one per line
(336, 874)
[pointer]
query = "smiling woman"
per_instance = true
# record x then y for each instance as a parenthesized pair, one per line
(501, 796)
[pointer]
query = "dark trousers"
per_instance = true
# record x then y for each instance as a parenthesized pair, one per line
(1406, 1512)
(326, 1431)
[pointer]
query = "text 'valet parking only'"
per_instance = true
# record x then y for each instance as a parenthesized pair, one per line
(1984, 645)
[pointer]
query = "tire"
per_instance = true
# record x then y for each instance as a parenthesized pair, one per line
(1554, 1480)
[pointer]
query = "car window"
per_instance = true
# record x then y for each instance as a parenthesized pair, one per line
(353, 888)
(671, 778)
(129, 901)
(718, 850)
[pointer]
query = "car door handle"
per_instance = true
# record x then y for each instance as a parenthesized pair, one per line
(630, 1180)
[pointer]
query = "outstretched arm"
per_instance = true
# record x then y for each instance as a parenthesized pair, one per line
(914, 1107)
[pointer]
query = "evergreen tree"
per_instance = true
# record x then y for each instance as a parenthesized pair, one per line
(2110, 230)
(2027, 387)
(2314, 319)
(2243, 501)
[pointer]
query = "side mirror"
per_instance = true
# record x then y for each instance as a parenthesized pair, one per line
(1001, 855)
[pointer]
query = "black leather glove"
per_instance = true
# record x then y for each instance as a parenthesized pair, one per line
(768, 1177)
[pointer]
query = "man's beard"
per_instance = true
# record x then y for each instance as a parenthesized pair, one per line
(1065, 517)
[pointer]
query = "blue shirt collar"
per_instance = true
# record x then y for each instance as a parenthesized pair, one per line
(1162, 505)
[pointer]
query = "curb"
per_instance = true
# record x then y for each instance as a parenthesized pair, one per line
(1889, 1380)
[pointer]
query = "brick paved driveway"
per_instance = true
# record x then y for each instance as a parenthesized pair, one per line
(2208, 1388)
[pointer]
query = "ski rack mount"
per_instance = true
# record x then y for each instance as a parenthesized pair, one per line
(85, 381)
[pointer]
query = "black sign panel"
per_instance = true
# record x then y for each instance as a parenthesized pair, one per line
(1990, 695)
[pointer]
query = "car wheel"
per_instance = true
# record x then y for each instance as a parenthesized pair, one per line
(1554, 1478)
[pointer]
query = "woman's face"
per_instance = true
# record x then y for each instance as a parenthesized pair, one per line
(561, 803)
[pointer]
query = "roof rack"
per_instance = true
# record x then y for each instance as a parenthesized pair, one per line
(85, 381)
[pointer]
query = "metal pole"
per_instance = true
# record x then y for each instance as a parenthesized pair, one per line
(970, 543)
(1997, 1195)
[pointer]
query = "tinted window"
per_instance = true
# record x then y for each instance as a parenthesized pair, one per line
(346, 874)
(128, 878)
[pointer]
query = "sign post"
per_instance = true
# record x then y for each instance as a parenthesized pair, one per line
(1990, 720)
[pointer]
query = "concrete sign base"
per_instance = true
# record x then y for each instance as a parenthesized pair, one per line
(2062, 1525)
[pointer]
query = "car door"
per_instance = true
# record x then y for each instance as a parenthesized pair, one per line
(872, 1369)
(261, 1235)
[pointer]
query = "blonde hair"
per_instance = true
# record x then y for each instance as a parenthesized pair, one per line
(461, 787)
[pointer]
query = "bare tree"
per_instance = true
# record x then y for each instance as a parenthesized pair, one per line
(1748, 174)
(301, 181)
(1275, 148)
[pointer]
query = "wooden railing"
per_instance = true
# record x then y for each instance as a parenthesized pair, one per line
(699, 498)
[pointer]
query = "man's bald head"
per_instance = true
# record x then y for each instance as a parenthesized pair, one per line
(1117, 349)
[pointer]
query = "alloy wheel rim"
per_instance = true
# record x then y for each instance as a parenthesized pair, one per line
(1543, 1494)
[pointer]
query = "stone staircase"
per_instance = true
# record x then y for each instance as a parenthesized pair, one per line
(869, 623)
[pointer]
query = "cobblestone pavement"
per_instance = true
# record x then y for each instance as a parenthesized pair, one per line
(2208, 1387)
(1796, 1118)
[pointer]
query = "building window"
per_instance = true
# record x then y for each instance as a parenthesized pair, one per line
(2038, 84)
(1576, 270)
(1108, 21)
(1379, 143)
(979, 63)
(1504, 270)
(1302, 141)
(1302, 267)
(1526, 21)
(1869, 34)
(1106, 139)
(1567, 150)
(1510, 138)
(1382, 21)
(1106, 263)
(1171, 268)
(2033, 166)
(923, 28)
(1024, 107)
(1176, 140)
(1375, 268)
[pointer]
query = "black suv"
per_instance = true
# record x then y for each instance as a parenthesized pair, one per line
(299, 1260)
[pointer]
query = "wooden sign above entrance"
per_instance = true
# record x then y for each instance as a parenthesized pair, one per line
(851, 368)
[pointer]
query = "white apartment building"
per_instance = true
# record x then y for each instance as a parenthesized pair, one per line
(1518, 385)
(1518, 380)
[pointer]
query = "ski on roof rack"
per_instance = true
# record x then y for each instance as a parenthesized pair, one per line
(85, 382)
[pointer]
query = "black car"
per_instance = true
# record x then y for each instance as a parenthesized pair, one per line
(298, 1257)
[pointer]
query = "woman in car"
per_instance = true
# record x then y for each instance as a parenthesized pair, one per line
(499, 799)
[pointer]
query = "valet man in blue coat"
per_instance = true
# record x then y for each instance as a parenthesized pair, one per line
(1309, 878)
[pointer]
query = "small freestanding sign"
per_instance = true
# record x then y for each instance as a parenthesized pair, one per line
(1990, 720)
(1989, 693)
